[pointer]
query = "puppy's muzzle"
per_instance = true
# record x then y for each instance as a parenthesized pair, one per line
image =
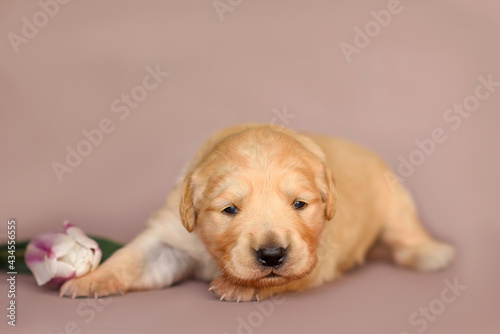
(271, 257)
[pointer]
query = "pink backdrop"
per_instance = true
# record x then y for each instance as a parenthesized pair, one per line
(385, 79)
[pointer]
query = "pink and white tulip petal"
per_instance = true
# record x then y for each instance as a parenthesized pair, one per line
(56, 257)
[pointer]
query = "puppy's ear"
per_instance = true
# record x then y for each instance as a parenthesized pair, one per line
(329, 193)
(186, 208)
(325, 182)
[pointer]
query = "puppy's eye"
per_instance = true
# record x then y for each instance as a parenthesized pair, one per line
(231, 210)
(299, 205)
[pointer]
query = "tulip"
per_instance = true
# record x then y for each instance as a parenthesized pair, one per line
(55, 257)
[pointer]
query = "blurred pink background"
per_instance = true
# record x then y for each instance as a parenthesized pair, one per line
(232, 62)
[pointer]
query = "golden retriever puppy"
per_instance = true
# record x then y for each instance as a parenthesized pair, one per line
(263, 210)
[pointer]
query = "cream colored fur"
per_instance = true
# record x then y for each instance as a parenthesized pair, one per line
(353, 204)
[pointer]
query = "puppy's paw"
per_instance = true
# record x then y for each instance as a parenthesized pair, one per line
(429, 256)
(226, 290)
(94, 285)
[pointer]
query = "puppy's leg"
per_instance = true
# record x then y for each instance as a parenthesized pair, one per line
(408, 242)
(145, 263)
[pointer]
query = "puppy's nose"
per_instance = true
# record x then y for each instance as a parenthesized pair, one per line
(271, 257)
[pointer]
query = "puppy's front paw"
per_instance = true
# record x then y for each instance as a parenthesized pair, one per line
(226, 290)
(94, 285)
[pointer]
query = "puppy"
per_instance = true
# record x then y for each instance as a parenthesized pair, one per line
(263, 210)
